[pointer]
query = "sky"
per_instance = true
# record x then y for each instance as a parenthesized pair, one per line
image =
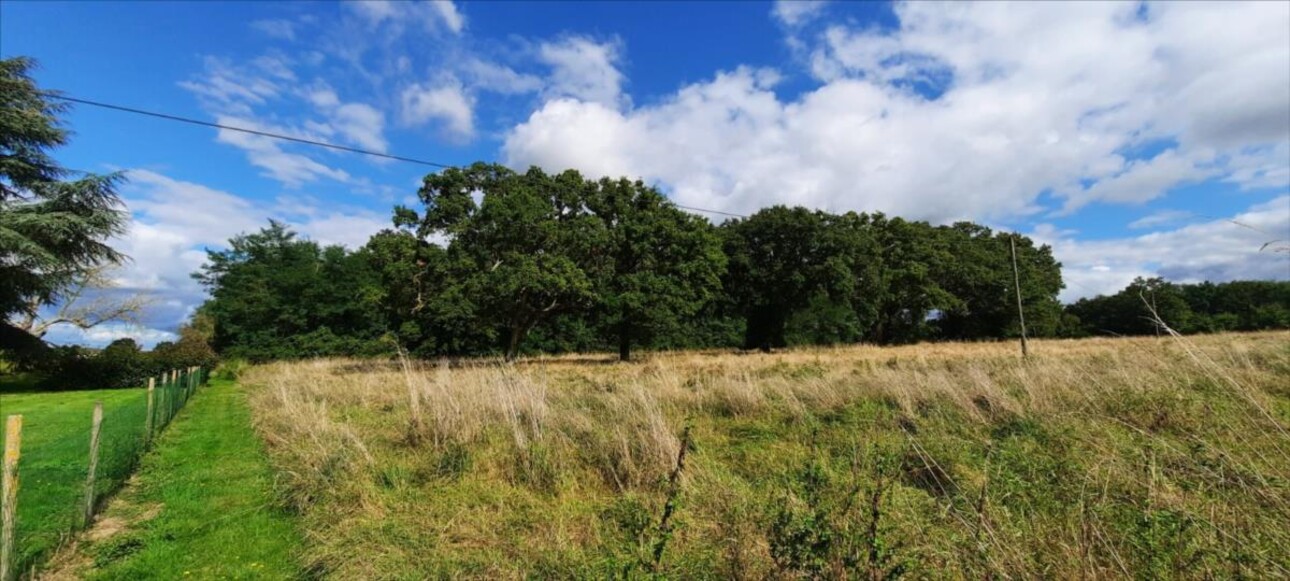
(1137, 139)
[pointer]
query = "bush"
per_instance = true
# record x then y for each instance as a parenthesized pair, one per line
(230, 369)
(121, 364)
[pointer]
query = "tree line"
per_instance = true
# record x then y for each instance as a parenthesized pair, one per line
(1243, 305)
(496, 261)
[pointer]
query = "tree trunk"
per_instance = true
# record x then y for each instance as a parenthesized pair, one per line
(513, 347)
(624, 343)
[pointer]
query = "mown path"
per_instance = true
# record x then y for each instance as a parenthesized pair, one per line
(200, 507)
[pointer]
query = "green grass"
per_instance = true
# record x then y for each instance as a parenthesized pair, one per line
(202, 504)
(55, 456)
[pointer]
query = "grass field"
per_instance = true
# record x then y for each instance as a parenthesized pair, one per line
(201, 506)
(55, 458)
(1096, 458)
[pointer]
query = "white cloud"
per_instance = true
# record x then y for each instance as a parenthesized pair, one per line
(175, 221)
(1005, 122)
(583, 69)
(224, 87)
(276, 28)
(1216, 250)
(242, 96)
(448, 13)
(797, 12)
(106, 333)
(361, 124)
(498, 78)
(1141, 180)
(1161, 218)
(292, 169)
(446, 102)
(432, 15)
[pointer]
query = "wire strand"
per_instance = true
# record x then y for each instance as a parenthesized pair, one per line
(245, 130)
(191, 121)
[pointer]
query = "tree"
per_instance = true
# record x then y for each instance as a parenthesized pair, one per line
(521, 255)
(1187, 308)
(661, 264)
(912, 263)
(53, 230)
(87, 303)
(780, 259)
(981, 280)
(276, 296)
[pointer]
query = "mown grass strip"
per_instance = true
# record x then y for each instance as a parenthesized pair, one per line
(201, 506)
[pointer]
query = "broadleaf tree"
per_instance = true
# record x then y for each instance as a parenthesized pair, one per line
(661, 264)
(524, 253)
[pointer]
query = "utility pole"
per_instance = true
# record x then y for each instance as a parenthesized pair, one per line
(1016, 283)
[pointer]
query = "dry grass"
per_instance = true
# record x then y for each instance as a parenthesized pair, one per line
(1101, 457)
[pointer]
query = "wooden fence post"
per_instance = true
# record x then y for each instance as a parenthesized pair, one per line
(147, 433)
(95, 429)
(9, 495)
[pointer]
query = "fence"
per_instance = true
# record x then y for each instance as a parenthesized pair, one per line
(65, 452)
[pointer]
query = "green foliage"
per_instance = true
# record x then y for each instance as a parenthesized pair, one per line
(659, 265)
(1187, 308)
(781, 258)
(52, 227)
(501, 262)
(274, 296)
(521, 255)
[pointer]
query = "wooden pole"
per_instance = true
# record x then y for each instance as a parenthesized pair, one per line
(9, 496)
(1016, 282)
(95, 429)
(147, 432)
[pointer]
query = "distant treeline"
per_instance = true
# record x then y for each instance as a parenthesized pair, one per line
(1186, 308)
(500, 262)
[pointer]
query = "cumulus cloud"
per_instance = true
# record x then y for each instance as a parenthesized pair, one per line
(970, 110)
(1141, 180)
(106, 333)
(583, 69)
(1215, 250)
(175, 221)
(446, 102)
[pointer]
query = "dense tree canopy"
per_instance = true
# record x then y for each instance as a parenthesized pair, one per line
(53, 228)
(782, 259)
(274, 295)
(1187, 308)
(502, 262)
(660, 265)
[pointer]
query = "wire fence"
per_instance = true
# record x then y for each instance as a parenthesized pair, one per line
(65, 452)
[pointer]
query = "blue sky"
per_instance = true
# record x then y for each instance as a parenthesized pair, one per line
(1128, 136)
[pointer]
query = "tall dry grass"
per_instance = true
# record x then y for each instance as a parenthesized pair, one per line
(525, 461)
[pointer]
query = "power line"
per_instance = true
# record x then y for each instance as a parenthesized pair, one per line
(244, 130)
(192, 121)
(710, 211)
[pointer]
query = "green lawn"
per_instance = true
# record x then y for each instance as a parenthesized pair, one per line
(55, 456)
(201, 506)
